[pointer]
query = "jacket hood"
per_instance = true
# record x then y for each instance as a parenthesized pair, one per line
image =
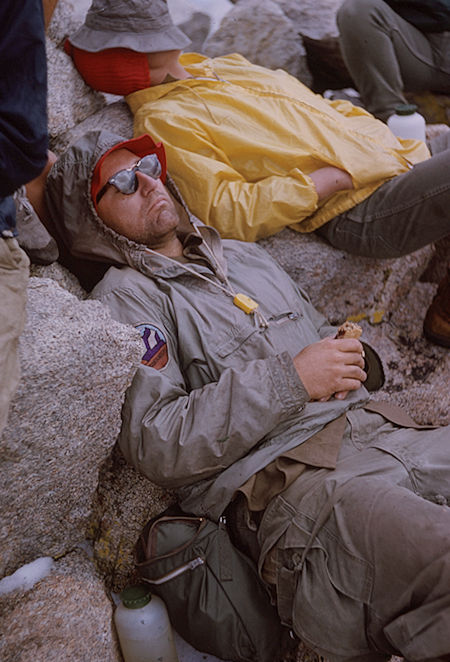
(74, 220)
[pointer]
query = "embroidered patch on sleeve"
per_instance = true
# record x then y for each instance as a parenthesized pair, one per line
(156, 351)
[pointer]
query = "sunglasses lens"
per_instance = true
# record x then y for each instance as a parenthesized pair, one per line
(125, 181)
(150, 166)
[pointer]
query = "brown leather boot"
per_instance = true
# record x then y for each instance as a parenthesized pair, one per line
(436, 326)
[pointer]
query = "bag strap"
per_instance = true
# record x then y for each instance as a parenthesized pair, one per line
(191, 565)
(144, 552)
(145, 548)
(225, 563)
(148, 537)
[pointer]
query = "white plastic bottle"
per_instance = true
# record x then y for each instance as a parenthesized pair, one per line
(406, 122)
(143, 626)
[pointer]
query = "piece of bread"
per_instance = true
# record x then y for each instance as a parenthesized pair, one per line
(349, 330)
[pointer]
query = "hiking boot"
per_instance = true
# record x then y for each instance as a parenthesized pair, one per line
(33, 237)
(436, 326)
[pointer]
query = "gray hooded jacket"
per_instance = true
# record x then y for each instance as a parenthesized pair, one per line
(216, 397)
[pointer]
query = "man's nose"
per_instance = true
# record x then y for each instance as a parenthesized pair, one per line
(146, 184)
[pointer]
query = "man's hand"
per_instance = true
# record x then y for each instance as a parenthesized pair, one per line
(331, 367)
(329, 180)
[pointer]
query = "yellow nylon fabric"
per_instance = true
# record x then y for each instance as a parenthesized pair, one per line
(241, 141)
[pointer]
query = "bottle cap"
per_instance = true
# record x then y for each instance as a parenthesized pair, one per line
(134, 597)
(405, 109)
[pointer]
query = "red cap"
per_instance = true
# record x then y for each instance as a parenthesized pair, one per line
(115, 70)
(141, 146)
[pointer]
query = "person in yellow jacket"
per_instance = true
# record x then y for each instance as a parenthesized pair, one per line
(254, 150)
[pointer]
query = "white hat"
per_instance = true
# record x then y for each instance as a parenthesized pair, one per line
(144, 26)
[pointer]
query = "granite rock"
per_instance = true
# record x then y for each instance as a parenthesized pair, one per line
(184, 11)
(314, 18)
(66, 19)
(67, 616)
(60, 275)
(70, 100)
(259, 30)
(123, 504)
(197, 28)
(115, 117)
(76, 366)
(416, 370)
(344, 286)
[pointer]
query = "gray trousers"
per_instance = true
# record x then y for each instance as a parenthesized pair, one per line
(363, 551)
(14, 268)
(386, 55)
(406, 213)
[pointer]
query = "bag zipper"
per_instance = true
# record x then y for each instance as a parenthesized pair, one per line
(190, 565)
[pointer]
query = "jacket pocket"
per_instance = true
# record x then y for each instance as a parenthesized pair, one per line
(234, 339)
(284, 331)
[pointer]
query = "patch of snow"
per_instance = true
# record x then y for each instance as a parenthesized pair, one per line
(27, 576)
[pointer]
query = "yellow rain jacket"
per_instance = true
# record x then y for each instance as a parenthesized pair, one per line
(241, 141)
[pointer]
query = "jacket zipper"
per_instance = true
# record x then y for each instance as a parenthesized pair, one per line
(284, 317)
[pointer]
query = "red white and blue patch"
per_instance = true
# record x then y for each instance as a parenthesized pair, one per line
(156, 351)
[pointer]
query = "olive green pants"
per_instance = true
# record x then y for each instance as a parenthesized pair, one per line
(387, 56)
(14, 266)
(404, 214)
(363, 551)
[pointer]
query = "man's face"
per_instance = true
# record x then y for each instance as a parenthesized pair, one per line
(147, 216)
(163, 58)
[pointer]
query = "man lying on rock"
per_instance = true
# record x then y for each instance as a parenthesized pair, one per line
(245, 404)
(254, 150)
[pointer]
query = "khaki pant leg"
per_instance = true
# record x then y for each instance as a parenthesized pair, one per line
(387, 56)
(375, 579)
(404, 214)
(14, 269)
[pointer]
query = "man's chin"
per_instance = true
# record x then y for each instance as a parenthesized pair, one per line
(161, 215)
(161, 233)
